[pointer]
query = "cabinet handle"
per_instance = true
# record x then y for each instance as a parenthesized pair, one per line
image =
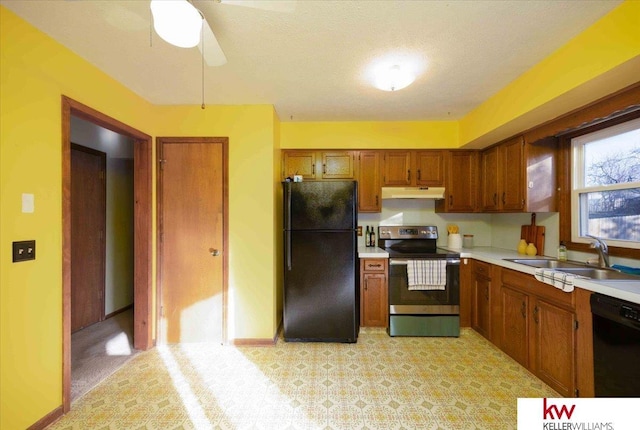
(504, 200)
(535, 314)
(450, 200)
(495, 199)
(419, 175)
(486, 293)
(365, 285)
(409, 175)
(324, 169)
(376, 200)
(375, 265)
(523, 310)
(313, 169)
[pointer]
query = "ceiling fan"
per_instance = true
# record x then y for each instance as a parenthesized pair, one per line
(181, 23)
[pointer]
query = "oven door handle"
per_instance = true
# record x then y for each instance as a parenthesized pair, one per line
(405, 261)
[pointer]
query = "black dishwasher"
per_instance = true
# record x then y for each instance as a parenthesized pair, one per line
(616, 347)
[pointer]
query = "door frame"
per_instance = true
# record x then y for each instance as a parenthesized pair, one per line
(143, 336)
(224, 141)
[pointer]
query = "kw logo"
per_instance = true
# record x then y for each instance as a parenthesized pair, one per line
(548, 411)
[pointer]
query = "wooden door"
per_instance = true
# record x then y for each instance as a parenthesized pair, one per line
(554, 339)
(514, 325)
(397, 168)
(338, 165)
(88, 223)
(489, 172)
(299, 163)
(513, 175)
(430, 168)
(192, 239)
(461, 184)
(369, 182)
(374, 309)
(481, 308)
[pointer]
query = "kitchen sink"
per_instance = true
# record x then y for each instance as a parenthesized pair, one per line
(546, 263)
(576, 268)
(600, 274)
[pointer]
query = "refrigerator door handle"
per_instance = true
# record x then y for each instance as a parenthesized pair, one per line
(287, 248)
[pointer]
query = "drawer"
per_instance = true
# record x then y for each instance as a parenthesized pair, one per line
(374, 265)
(482, 268)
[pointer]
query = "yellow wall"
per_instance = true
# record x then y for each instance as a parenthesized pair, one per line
(610, 43)
(34, 72)
(369, 135)
(252, 260)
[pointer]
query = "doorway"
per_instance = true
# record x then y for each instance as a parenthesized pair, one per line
(192, 239)
(142, 166)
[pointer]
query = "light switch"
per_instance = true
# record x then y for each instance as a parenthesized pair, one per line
(28, 203)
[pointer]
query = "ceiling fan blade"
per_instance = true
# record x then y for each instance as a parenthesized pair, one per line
(212, 52)
(274, 5)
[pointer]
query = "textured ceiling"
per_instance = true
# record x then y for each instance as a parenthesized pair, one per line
(312, 63)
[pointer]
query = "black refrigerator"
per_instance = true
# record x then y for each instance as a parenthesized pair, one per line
(321, 302)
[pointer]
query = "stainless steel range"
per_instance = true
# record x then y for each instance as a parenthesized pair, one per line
(424, 282)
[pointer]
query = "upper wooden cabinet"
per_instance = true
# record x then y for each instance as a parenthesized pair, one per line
(409, 168)
(461, 182)
(519, 177)
(319, 165)
(369, 198)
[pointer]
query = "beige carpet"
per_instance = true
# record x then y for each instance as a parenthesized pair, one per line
(99, 350)
(379, 382)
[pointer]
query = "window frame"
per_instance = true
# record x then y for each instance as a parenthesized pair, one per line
(578, 179)
(565, 174)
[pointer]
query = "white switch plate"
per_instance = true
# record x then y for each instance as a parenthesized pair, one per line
(28, 205)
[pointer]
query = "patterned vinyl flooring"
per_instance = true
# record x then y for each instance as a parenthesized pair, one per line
(377, 383)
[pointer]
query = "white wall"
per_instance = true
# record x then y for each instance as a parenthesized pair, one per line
(119, 234)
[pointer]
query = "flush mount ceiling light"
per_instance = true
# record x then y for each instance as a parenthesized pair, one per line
(177, 22)
(393, 78)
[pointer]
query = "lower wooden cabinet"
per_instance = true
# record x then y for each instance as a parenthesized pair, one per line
(538, 329)
(481, 299)
(374, 300)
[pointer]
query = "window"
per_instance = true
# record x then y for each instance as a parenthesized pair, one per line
(605, 196)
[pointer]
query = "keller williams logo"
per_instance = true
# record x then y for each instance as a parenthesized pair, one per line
(549, 411)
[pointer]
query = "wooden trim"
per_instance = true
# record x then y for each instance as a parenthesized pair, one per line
(584, 344)
(47, 420)
(565, 174)
(224, 141)
(119, 311)
(143, 336)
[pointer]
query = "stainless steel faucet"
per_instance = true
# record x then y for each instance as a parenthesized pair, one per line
(603, 251)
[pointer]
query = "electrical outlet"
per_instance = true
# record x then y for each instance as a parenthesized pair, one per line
(359, 230)
(24, 250)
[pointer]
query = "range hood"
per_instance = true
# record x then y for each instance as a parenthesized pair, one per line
(413, 192)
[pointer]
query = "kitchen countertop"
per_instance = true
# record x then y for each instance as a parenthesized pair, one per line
(625, 290)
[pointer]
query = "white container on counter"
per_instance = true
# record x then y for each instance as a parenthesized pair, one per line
(454, 241)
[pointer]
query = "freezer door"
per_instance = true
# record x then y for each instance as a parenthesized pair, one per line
(320, 205)
(320, 294)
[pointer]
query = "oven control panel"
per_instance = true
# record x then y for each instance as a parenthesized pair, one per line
(407, 232)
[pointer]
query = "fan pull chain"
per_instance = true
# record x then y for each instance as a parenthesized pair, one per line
(202, 41)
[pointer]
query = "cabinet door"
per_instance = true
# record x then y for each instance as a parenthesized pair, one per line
(481, 307)
(555, 343)
(374, 309)
(338, 165)
(369, 182)
(430, 168)
(461, 183)
(299, 163)
(513, 175)
(489, 179)
(397, 168)
(515, 326)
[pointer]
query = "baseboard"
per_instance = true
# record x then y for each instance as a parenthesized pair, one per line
(119, 311)
(258, 342)
(48, 419)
